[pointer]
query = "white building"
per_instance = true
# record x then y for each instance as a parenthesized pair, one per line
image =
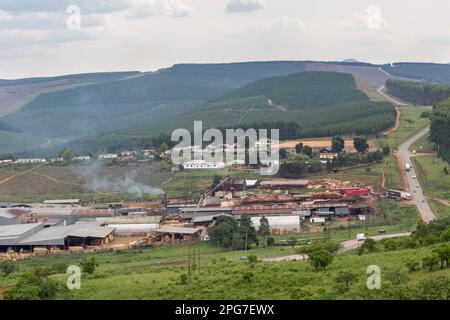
(202, 164)
(81, 158)
(107, 156)
(328, 156)
(5, 162)
(128, 153)
(28, 161)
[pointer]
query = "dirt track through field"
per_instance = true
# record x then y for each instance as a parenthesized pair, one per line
(397, 123)
(19, 174)
(57, 181)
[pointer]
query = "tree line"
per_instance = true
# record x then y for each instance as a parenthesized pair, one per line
(440, 129)
(419, 93)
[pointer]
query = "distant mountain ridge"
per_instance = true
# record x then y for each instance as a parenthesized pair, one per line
(146, 103)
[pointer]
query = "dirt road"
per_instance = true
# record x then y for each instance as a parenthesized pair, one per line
(346, 246)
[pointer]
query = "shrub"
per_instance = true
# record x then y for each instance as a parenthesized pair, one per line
(320, 259)
(183, 279)
(7, 267)
(89, 265)
(412, 265)
(430, 262)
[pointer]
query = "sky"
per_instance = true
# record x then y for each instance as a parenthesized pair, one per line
(55, 37)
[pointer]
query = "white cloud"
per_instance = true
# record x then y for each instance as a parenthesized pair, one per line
(43, 20)
(87, 6)
(171, 8)
(245, 5)
(372, 18)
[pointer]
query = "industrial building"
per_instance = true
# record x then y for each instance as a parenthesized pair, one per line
(11, 216)
(177, 234)
(30, 236)
(11, 235)
(62, 201)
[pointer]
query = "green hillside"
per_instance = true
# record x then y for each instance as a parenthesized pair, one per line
(12, 142)
(319, 103)
(428, 72)
(107, 106)
(76, 78)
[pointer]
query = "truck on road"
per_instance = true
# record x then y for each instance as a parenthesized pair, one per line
(408, 167)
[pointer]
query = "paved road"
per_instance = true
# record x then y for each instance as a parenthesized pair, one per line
(346, 246)
(414, 186)
(354, 244)
(405, 157)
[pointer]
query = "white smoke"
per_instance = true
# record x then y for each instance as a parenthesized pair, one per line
(126, 184)
(98, 181)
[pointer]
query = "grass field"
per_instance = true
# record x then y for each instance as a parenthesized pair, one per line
(434, 182)
(369, 174)
(156, 274)
(411, 122)
(397, 218)
(423, 145)
(442, 210)
(37, 183)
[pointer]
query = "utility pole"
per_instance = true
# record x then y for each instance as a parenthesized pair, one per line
(198, 253)
(189, 260)
(246, 240)
(348, 225)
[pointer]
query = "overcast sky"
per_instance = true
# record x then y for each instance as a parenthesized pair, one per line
(43, 37)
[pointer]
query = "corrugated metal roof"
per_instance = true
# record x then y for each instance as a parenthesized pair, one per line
(130, 220)
(178, 230)
(209, 217)
(57, 235)
(62, 201)
(7, 215)
(11, 234)
(91, 212)
(284, 182)
(17, 229)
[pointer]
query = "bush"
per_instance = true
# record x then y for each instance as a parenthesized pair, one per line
(320, 259)
(247, 277)
(252, 259)
(89, 265)
(437, 288)
(183, 279)
(412, 265)
(270, 241)
(7, 267)
(396, 277)
(430, 262)
(36, 286)
(343, 281)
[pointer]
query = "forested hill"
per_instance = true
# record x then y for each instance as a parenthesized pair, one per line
(428, 72)
(440, 129)
(419, 93)
(315, 103)
(73, 78)
(302, 90)
(107, 106)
